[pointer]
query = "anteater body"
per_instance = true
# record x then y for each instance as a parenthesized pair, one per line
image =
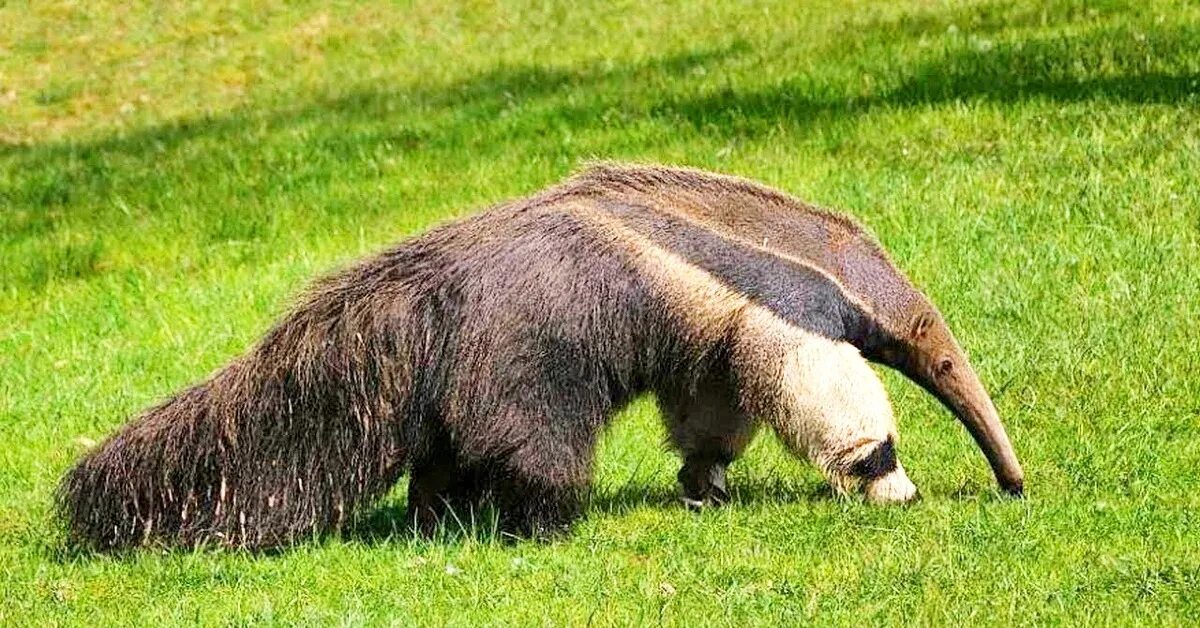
(484, 357)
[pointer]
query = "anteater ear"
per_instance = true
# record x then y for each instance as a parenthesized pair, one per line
(921, 325)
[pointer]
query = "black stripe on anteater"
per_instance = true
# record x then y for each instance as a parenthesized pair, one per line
(796, 292)
(880, 462)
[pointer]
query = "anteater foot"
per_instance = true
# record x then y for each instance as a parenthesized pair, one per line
(530, 511)
(892, 488)
(703, 484)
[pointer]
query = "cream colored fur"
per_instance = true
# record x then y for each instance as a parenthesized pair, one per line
(822, 399)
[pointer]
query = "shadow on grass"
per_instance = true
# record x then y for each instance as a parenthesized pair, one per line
(1105, 65)
(387, 523)
(1111, 64)
(528, 109)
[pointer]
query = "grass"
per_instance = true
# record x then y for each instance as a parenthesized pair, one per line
(172, 174)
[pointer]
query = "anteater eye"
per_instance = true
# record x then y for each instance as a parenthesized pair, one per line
(945, 366)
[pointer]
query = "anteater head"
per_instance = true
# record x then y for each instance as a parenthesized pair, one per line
(923, 348)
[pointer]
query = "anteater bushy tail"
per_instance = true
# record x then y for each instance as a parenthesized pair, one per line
(281, 444)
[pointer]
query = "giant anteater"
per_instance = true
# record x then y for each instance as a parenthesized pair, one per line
(484, 357)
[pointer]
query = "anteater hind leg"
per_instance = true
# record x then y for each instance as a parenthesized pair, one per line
(535, 507)
(539, 489)
(443, 493)
(824, 401)
(710, 432)
(427, 485)
(538, 473)
(440, 488)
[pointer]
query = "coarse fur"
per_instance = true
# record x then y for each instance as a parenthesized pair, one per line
(484, 357)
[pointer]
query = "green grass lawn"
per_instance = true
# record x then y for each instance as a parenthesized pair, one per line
(172, 175)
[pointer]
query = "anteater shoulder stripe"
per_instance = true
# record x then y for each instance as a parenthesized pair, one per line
(796, 292)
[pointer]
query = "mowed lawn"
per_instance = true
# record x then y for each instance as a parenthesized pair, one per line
(173, 174)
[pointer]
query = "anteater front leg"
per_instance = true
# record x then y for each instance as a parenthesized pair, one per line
(824, 402)
(710, 433)
(702, 480)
